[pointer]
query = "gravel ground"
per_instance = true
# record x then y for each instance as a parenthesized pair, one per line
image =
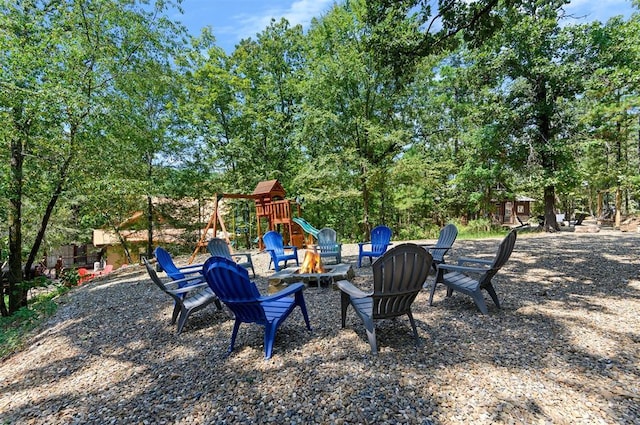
(564, 349)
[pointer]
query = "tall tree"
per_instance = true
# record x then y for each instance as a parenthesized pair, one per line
(404, 31)
(541, 67)
(353, 110)
(60, 61)
(611, 115)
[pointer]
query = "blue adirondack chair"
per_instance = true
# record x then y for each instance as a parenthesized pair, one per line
(380, 238)
(230, 282)
(187, 275)
(275, 246)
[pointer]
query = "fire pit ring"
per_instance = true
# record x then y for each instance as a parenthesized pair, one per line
(331, 275)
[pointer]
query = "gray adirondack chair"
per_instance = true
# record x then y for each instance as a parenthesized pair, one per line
(398, 276)
(447, 237)
(472, 280)
(328, 244)
(187, 299)
(219, 248)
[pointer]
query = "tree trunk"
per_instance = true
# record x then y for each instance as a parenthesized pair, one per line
(365, 207)
(600, 206)
(17, 295)
(48, 211)
(618, 216)
(149, 209)
(543, 122)
(123, 242)
(149, 227)
(550, 223)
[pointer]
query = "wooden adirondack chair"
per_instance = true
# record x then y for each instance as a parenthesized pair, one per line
(398, 276)
(328, 244)
(219, 247)
(187, 298)
(275, 246)
(380, 239)
(459, 277)
(230, 282)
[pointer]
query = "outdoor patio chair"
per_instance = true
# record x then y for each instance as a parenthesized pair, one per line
(84, 275)
(108, 268)
(187, 299)
(274, 245)
(380, 240)
(579, 218)
(448, 235)
(193, 271)
(230, 282)
(219, 247)
(472, 280)
(328, 244)
(398, 276)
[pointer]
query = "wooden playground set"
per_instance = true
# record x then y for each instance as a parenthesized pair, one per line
(273, 212)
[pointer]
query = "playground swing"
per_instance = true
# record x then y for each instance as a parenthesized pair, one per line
(242, 225)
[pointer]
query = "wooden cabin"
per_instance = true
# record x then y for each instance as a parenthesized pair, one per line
(508, 209)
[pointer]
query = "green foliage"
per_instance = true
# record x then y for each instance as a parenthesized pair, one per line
(15, 329)
(373, 116)
(70, 277)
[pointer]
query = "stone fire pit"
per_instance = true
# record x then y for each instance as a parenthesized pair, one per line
(332, 274)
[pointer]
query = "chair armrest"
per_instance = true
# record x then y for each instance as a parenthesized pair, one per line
(364, 243)
(189, 281)
(462, 260)
(191, 266)
(291, 247)
(348, 288)
(453, 268)
(188, 271)
(189, 288)
(289, 290)
(242, 254)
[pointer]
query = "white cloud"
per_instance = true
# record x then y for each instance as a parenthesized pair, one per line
(297, 12)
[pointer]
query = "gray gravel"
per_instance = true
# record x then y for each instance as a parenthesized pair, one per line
(564, 349)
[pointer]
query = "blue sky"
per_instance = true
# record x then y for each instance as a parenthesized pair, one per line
(233, 20)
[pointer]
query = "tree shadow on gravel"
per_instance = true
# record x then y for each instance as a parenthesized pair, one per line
(564, 348)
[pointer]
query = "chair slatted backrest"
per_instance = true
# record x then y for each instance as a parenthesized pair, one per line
(380, 238)
(398, 277)
(504, 252)
(218, 248)
(447, 237)
(230, 282)
(327, 240)
(167, 264)
(273, 241)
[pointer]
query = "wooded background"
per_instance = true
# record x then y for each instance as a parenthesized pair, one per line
(394, 112)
